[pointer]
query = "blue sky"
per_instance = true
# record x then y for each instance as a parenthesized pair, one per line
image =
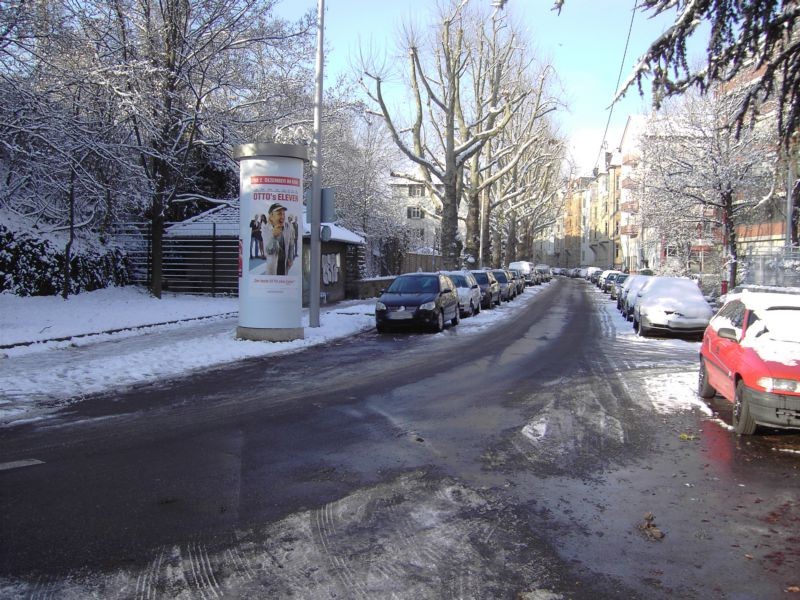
(585, 43)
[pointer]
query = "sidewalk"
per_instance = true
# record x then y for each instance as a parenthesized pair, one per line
(55, 352)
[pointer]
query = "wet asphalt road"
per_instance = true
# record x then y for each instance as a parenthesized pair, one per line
(519, 463)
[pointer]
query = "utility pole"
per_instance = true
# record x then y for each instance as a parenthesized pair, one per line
(316, 182)
(791, 180)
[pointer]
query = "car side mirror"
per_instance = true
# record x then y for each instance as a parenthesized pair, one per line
(446, 291)
(382, 291)
(727, 333)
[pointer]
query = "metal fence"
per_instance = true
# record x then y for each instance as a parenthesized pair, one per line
(205, 262)
(781, 268)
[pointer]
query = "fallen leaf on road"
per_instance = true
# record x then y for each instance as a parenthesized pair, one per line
(649, 528)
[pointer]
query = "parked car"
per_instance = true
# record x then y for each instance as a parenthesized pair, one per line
(618, 283)
(601, 279)
(630, 294)
(526, 268)
(507, 285)
(610, 280)
(671, 304)
(469, 292)
(418, 299)
(490, 288)
(751, 356)
(624, 287)
(544, 272)
(592, 273)
(519, 280)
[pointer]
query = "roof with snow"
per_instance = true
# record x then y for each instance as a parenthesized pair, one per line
(226, 219)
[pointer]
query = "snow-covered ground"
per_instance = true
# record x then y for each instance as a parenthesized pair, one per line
(56, 351)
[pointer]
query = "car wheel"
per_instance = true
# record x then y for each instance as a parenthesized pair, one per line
(477, 309)
(743, 421)
(704, 389)
(641, 329)
(381, 328)
(439, 321)
(456, 318)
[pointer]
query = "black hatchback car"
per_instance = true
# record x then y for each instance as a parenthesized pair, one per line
(417, 299)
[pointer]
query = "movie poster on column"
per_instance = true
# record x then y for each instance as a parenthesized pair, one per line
(271, 197)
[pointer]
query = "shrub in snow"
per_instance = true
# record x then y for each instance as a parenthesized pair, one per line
(30, 266)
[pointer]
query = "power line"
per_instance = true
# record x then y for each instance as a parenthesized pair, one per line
(619, 79)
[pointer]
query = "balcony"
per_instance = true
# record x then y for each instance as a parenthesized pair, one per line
(632, 206)
(629, 230)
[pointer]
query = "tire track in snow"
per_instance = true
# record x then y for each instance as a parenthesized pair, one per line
(202, 572)
(147, 580)
(325, 523)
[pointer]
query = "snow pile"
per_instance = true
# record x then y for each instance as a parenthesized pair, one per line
(673, 392)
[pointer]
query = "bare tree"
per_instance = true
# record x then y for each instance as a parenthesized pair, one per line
(360, 155)
(139, 91)
(696, 171)
(433, 140)
(500, 63)
(182, 64)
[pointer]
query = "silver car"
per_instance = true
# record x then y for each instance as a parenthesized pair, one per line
(671, 305)
(629, 292)
(469, 292)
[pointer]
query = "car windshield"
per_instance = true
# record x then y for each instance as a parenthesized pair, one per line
(459, 280)
(775, 334)
(780, 323)
(414, 285)
(500, 276)
(481, 277)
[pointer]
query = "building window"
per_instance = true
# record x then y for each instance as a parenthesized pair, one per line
(416, 191)
(414, 212)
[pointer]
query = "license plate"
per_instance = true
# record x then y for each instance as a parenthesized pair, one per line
(398, 315)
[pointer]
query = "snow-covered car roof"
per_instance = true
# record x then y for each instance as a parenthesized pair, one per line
(758, 299)
(674, 289)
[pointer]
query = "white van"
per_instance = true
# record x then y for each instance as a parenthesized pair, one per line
(524, 267)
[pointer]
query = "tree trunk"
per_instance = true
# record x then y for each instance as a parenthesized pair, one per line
(473, 241)
(485, 210)
(451, 246)
(68, 248)
(730, 236)
(511, 244)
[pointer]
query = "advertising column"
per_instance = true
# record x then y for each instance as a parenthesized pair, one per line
(270, 241)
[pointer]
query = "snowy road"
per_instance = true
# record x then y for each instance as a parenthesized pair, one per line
(513, 461)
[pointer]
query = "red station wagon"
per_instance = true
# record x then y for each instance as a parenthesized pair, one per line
(751, 356)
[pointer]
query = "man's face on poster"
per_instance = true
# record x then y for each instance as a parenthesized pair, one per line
(278, 217)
